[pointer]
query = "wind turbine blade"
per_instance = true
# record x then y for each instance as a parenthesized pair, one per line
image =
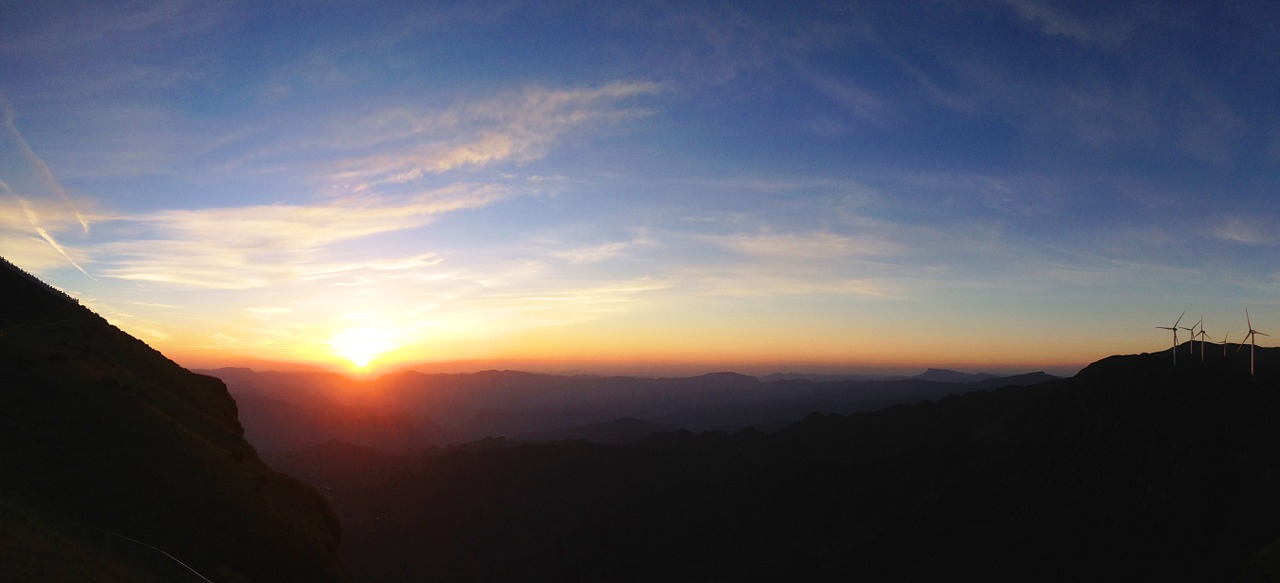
(1175, 322)
(1257, 333)
(1246, 317)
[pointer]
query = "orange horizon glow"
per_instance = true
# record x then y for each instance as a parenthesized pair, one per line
(639, 365)
(370, 342)
(420, 206)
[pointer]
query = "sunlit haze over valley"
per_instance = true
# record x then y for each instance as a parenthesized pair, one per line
(647, 187)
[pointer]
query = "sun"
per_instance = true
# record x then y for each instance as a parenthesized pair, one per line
(362, 345)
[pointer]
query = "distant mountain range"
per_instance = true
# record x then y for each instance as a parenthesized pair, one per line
(282, 411)
(117, 464)
(941, 375)
(1132, 470)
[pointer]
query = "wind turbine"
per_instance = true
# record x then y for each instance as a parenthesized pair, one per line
(1174, 327)
(1224, 342)
(1191, 345)
(1202, 336)
(1252, 335)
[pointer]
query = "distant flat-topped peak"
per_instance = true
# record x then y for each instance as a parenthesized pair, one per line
(943, 375)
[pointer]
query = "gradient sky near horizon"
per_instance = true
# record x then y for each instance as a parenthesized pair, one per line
(607, 186)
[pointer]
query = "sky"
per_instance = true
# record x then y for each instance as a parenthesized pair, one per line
(647, 186)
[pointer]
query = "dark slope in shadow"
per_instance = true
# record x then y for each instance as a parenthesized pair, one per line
(1132, 470)
(101, 433)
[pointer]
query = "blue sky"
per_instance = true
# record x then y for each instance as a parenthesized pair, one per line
(610, 186)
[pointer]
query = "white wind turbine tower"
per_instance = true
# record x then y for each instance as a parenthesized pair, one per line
(1252, 336)
(1174, 327)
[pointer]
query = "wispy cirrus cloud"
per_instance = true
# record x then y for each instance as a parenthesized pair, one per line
(403, 145)
(1053, 22)
(567, 304)
(765, 282)
(306, 226)
(63, 32)
(373, 271)
(255, 246)
(591, 253)
(804, 246)
(1248, 230)
(788, 264)
(857, 100)
(576, 249)
(719, 43)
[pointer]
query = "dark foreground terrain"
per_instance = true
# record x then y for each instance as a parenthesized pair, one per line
(118, 465)
(1132, 470)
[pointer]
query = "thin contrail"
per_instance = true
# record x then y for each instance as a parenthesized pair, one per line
(46, 175)
(34, 219)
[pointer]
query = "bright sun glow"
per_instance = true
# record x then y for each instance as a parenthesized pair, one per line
(362, 345)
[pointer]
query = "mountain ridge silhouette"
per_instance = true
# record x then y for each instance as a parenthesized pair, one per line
(100, 433)
(1132, 469)
(437, 409)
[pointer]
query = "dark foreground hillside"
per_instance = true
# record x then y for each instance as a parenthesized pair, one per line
(118, 465)
(1132, 470)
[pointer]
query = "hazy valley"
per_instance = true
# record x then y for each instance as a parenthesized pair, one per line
(401, 412)
(1131, 470)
